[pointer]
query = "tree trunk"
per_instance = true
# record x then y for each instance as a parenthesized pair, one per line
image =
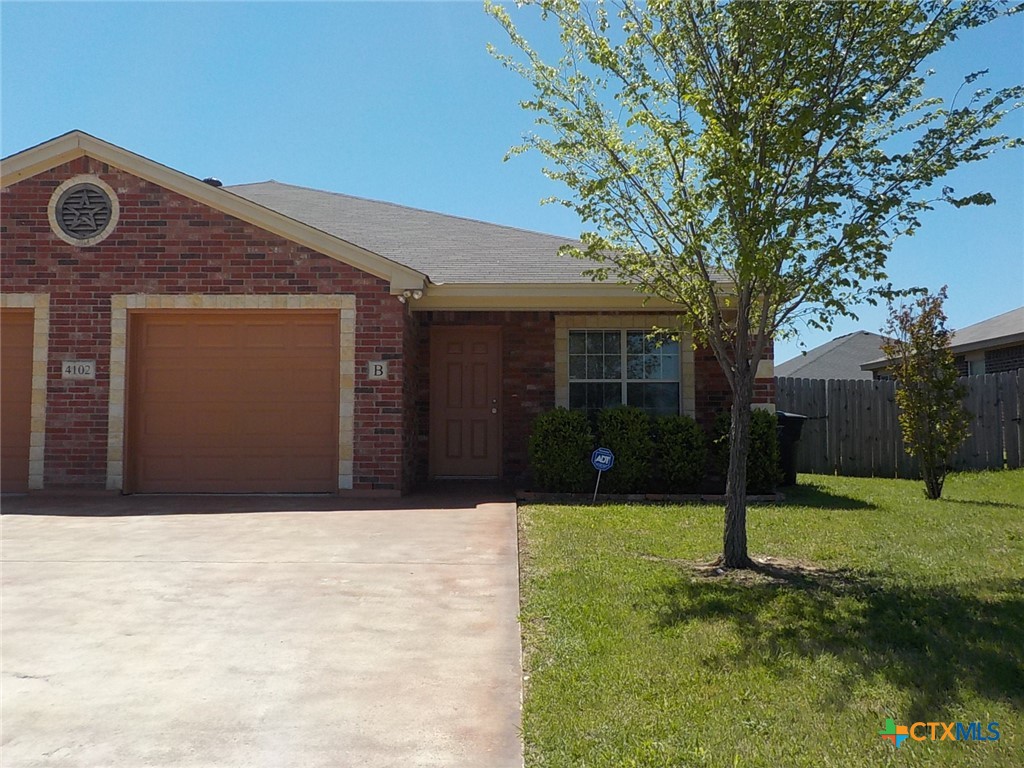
(933, 479)
(735, 544)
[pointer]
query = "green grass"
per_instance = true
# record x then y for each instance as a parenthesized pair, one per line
(881, 604)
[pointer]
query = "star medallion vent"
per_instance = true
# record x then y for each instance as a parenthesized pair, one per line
(83, 210)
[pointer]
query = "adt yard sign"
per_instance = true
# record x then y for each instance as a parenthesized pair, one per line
(602, 459)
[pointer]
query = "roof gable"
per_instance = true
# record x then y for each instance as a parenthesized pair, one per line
(75, 144)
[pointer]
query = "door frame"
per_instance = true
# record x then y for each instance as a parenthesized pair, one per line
(434, 445)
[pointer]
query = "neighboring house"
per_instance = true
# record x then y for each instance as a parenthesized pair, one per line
(840, 358)
(991, 346)
(162, 334)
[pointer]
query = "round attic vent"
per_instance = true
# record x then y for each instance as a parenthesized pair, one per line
(83, 210)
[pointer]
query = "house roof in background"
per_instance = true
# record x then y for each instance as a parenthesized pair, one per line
(1007, 328)
(840, 358)
(999, 331)
(449, 249)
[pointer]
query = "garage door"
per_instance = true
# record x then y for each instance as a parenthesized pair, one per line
(233, 402)
(15, 397)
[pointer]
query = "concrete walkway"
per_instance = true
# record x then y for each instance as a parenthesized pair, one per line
(138, 631)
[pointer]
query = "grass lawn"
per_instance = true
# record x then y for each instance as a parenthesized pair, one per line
(878, 604)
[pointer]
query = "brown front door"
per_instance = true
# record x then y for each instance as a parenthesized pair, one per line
(233, 401)
(465, 407)
(15, 397)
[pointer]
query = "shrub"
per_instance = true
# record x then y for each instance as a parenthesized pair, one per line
(626, 431)
(680, 454)
(560, 446)
(764, 468)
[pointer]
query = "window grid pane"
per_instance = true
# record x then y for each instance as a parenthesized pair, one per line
(609, 368)
(651, 359)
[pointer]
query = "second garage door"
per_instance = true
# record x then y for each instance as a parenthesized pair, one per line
(233, 402)
(16, 333)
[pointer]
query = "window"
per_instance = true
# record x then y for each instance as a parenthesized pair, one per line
(609, 368)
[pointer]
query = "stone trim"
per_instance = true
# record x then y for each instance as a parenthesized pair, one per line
(40, 304)
(122, 304)
(687, 367)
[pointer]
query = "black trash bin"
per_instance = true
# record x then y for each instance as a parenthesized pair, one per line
(788, 430)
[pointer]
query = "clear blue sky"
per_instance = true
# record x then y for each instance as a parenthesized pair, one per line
(401, 102)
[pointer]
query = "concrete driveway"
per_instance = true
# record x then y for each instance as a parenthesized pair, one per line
(144, 631)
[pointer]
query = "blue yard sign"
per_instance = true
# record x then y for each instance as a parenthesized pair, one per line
(603, 460)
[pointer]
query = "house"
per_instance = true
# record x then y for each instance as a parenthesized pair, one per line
(991, 346)
(840, 358)
(165, 334)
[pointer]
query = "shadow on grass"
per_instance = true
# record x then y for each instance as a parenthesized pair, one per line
(931, 641)
(815, 496)
(992, 504)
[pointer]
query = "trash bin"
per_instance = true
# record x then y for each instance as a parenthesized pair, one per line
(788, 430)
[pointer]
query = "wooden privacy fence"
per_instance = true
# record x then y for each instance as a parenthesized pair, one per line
(853, 429)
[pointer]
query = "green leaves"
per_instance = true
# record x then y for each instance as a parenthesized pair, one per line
(932, 417)
(782, 147)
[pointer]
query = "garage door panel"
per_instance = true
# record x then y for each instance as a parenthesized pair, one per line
(309, 426)
(236, 402)
(163, 425)
(309, 469)
(16, 338)
(221, 379)
(316, 336)
(215, 335)
(268, 337)
(314, 382)
(166, 335)
(162, 382)
(163, 468)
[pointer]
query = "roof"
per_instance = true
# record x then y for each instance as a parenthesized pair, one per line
(840, 358)
(999, 331)
(440, 261)
(449, 249)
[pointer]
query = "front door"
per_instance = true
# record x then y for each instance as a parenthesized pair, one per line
(465, 408)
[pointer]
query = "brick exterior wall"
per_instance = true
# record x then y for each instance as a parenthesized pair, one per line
(712, 388)
(528, 379)
(168, 244)
(165, 243)
(1005, 359)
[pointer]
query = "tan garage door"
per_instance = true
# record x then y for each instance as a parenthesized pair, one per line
(15, 397)
(233, 402)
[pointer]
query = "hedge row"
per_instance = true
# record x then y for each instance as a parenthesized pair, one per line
(670, 454)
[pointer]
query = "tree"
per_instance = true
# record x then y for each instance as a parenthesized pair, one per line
(932, 415)
(751, 162)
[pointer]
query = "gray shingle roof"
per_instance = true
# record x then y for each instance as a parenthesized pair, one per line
(999, 331)
(840, 358)
(448, 249)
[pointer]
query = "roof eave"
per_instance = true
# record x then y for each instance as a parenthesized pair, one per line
(1008, 340)
(589, 297)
